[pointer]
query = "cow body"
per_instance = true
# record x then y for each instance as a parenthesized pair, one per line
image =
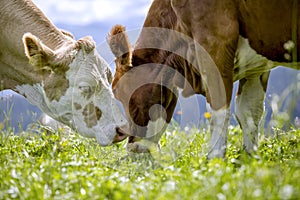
(67, 79)
(203, 47)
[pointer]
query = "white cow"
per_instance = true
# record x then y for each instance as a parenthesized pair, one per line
(65, 78)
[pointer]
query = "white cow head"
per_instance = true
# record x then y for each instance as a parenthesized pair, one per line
(74, 88)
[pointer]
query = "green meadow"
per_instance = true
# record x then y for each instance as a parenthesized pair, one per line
(60, 165)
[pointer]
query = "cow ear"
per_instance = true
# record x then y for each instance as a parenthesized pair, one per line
(39, 55)
(119, 45)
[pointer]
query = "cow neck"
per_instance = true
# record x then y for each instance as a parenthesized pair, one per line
(28, 18)
(189, 79)
(24, 17)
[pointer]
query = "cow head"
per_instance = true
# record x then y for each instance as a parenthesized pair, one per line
(74, 88)
(146, 89)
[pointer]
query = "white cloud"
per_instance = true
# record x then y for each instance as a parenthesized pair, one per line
(88, 11)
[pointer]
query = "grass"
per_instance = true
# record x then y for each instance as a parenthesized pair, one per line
(67, 166)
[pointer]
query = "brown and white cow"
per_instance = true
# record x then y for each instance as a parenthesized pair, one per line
(65, 78)
(202, 47)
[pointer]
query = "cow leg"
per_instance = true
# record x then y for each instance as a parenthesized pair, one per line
(249, 108)
(215, 37)
(219, 130)
(216, 69)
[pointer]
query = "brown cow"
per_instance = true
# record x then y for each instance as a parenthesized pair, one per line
(65, 78)
(203, 46)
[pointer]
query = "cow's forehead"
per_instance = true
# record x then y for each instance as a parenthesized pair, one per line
(90, 68)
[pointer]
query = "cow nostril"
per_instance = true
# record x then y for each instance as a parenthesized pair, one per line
(119, 131)
(120, 135)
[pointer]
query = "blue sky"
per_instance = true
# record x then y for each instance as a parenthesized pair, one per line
(83, 12)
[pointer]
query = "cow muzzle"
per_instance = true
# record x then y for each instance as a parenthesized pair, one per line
(121, 134)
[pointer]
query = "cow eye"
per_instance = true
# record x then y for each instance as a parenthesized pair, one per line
(85, 89)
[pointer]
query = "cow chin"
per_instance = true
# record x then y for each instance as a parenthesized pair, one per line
(146, 138)
(105, 133)
(148, 124)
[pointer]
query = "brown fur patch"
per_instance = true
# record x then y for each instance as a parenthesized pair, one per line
(77, 106)
(56, 85)
(92, 115)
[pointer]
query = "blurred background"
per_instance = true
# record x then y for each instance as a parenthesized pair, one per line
(96, 17)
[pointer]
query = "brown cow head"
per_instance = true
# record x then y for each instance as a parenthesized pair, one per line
(146, 90)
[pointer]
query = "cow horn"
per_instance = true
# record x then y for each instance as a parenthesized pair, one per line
(87, 43)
